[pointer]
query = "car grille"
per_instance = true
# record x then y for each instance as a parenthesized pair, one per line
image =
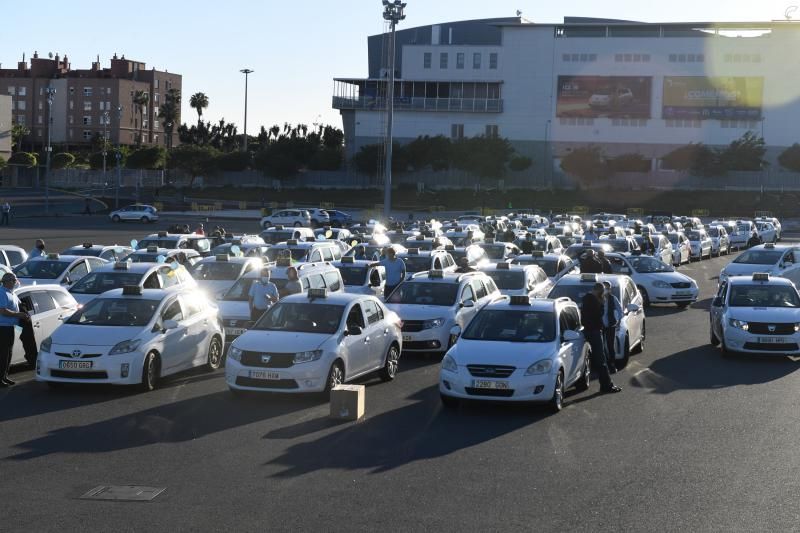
(83, 355)
(770, 347)
(287, 384)
(412, 325)
(421, 345)
(681, 285)
(506, 393)
(277, 360)
(99, 374)
(762, 328)
(490, 371)
(233, 323)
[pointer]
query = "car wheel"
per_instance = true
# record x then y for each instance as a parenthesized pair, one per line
(144, 220)
(335, 376)
(713, 340)
(115, 218)
(214, 354)
(684, 305)
(265, 225)
(297, 224)
(556, 403)
(726, 353)
(586, 373)
(449, 402)
(645, 296)
(389, 370)
(149, 373)
(640, 347)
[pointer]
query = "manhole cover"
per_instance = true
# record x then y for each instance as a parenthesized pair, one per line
(128, 493)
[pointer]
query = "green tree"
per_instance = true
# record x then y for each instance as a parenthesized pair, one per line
(790, 158)
(484, 157)
(2, 163)
(199, 102)
(234, 161)
(696, 158)
(23, 159)
(194, 160)
(96, 158)
(745, 153)
(520, 163)
(433, 152)
(170, 114)
(140, 101)
(150, 157)
(588, 164)
(370, 159)
(62, 160)
(18, 132)
(629, 163)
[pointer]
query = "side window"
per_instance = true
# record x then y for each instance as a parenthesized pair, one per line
(192, 306)
(152, 281)
(95, 262)
(468, 295)
(305, 283)
(721, 292)
(26, 303)
(316, 281)
(563, 322)
(62, 300)
(332, 281)
(374, 277)
(3, 259)
(491, 288)
(379, 307)
(480, 290)
(437, 264)
(327, 255)
(169, 277)
(315, 257)
(337, 253)
(78, 271)
(173, 311)
(371, 312)
(355, 317)
(628, 295)
(573, 318)
(617, 263)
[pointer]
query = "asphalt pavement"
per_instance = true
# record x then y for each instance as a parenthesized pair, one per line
(693, 443)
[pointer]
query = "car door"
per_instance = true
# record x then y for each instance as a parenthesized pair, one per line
(378, 332)
(635, 318)
(176, 342)
(570, 351)
(18, 350)
(717, 308)
(77, 271)
(791, 267)
(465, 312)
(197, 329)
(46, 319)
(358, 346)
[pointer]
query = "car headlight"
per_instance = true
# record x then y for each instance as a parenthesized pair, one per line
(307, 357)
(739, 324)
(433, 323)
(540, 367)
(127, 346)
(46, 345)
(658, 284)
(235, 354)
(449, 364)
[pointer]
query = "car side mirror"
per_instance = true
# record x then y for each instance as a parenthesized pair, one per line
(633, 308)
(455, 332)
(169, 324)
(468, 304)
(67, 280)
(570, 336)
(354, 331)
(716, 302)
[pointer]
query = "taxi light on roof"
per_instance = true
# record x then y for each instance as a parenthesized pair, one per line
(420, 237)
(449, 247)
(291, 242)
(53, 256)
(87, 245)
(348, 259)
(587, 243)
(503, 266)
(489, 240)
(221, 257)
(279, 227)
(436, 274)
(413, 251)
(131, 290)
(317, 293)
(283, 261)
(589, 277)
(152, 249)
(537, 253)
(121, 265)
(162, 233)
(520, 300)
(761, 276)
(769, 245)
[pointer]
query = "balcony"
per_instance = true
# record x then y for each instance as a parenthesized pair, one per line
(405, 103)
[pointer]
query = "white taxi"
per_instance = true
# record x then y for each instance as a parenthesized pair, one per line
(133, 336)
(700, 244)
(519, 280)
(362, 277)
(217, 274)
(120, 274)
(55, 268)
(657, 281)
(313, 342)
(519, 350)
(776, 259)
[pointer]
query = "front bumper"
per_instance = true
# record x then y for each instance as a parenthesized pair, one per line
(521, 388)
(427, 340)
(305, 377)
(661, 295)
(738, 340)
(124, 369)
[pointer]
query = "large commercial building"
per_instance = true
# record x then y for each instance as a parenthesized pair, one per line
(87, 103)
(629, 87)
(5, 127)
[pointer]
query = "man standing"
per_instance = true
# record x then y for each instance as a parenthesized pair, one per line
(88, 209)
(38, 250)
(527, 245)
(589, 264)
(6, 209)
(463, 266)
(293, 285)
(395, 271)
(612, 313)
(263, 293)
(10, 317)
(592, 320)
(605, 265)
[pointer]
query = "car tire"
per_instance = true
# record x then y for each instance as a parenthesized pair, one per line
(298, 225)
(335, 376)
(150, 372)
(640, 347)
(214, 359)
(449, 402)
(144, 220)
(683, 305)
(389, 370)
(556, 403)
(726, 353)
(583, 383)
(116, 218)
(713, 338)
(265, 225)
(645, 296)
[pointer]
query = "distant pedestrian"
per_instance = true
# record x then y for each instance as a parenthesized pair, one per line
(395, 271)
(10, 317)
(527, 245)
(263, 293)
(88, 209)
(605, 265)
(589, 264)
(293, 285)
(754, 239)
(592, 320)
(6, 210)
(38, 250)
(464, 266)
(200, 230)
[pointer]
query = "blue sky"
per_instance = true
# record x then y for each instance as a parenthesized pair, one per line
(295, 48)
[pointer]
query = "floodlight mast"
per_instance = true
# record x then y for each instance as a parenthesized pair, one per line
(393, 12)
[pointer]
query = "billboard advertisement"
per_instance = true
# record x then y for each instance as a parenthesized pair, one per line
(604, 96)
(726, 98)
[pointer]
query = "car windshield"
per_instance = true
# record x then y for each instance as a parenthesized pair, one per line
(298, 254)
(354, 275)
(424, 293)
(495, 252)
(549, 266)
(649, 265)
(743, 228)
(363, 251)
(274, 237)
(693, 235)
(143, 257)
(301, 318)
(574, 292)
(169, 243)
(216, 271)
(240, 290)
(713, 232)
(100, 282)
(86, 252)
(397, 238)
(508, 279)
(759, 257)
(41, 269)
(619, 245)
(764, 296)
(115, 312)
(512, 326)
(417, 263)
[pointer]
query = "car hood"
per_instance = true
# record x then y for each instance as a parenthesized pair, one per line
(736, 269)
(214, 287)
(69, 334)
(420, 312)
(280, 341)
(762, 314)
(517, 354)
(668, 277)
(24, 282)
(229, 310)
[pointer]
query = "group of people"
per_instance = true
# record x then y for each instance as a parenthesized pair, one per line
(592, 262)
(264, 293)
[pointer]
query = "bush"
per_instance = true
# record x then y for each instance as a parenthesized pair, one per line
(696, 158)
(25, 159)
(370, 159)
(151, 157)
(96, 158)
(326, 159)
(520, 163)
(587, 164)
(790, 158)
(234, 161)
(62, 160)
(745, 153)
(629, 163)
(430, 152)
(194, 160)
(485, 157)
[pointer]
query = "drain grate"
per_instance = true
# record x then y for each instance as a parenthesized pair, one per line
(124, 493)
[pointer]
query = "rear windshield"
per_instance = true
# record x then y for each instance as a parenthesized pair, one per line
(100, 282)
(354, 275)
(759, 257)
(417, 263)
(571, 291)
(298, 254)
(41, 269)
(507, 279)
(424, 293)
(216, 271)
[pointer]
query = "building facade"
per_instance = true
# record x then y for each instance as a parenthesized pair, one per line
(629, 87)
(87, 104)
(5, 127)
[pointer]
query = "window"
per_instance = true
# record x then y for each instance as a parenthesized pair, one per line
(62, 300)
(192, 305)
(87, 120)
(12, 90)
(333, 281)
(355, 317)
(457, 131)
(108, 105)
(493, 61)
(78, 271)
(443, 57)
(476, 60)
(87, 105)
(156, 85)
(316, 281)
(460, 60)
(87, 135)
(173, 312)
(372, 312)
(492, 131)
(564, 57)
(71, 105)
(22, 91)
(108, 89)
(43, 302)
(155, 97)
(426, 60)
(571, 319)
(87, 91)
(468, 295)
(39, 119)
(72, 90)
(21, 105)
(21, 119)
(480, 290)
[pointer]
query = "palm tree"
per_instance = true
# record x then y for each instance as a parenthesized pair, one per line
(140, 101)
(198, 102)
(169, 113)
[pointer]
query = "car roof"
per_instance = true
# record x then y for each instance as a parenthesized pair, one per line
(748, 280)
(40, 286)
(356, 262)
(61, 258)
(147, 294)
(577, 279)
(238, 260)
(336, 298)
(447, 277)
(492, 267)
(535, 304)
(135, 268)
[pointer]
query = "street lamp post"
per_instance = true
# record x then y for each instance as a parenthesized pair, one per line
(50, 92)
(106, 121)
(246, 72)
(119, 156)
(392, 12)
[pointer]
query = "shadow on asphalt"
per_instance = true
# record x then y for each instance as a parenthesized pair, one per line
(703, 367)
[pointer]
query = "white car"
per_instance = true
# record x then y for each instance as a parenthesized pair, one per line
(48, 306)
(767, 232)
(520, 350)
(500, 251)
(631, 332)
(175, 241)
(118, 275)
(739, 237)
(57, 269)
(519, 280)
(553, 265)
(431, 303)
(132, 336)
(775, 222)
(313, 342)
(362, 277)
(215, 275)
(756, 314)
(681, 248)
(611, 98)
(152, 254)
(417, 260)
(658, 282)
(276, 234)
(719, 240)
(304, 251)
(109, 253)
(663, 246)
(287, 217)
(700, 244)
(319, 217)
(141, 212)
(776, 259)
(11, 255)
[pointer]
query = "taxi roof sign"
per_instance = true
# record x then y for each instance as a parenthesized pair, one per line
(152, 248)
(162, 233)
(537, 253)
(283, 261)
(769, 245)
(53, 256)
(121, 265)
(131, 290)
(348, 259)
(519, 300)
(413, 251)
(503, 266)
(317, 293)
(436, 274)
(221, 257)
(278, 226)
(760, 276)
(589, 278)
(449, 247)
(291, 242)
(87, 245)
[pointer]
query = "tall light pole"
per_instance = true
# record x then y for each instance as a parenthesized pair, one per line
(246, 72)
(119, 156)
(106, 122)
(393, 12)
(50, 92)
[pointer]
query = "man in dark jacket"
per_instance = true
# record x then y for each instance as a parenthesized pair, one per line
(590, 264)
(605, 265)
(592, 320)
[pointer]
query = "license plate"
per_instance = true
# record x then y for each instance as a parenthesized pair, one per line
(407, 338)
(483, 384)
(74, 365)
(773, 340)
(683, 293)
(234, 331)
(260, 374)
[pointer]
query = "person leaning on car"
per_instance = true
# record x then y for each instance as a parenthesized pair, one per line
(592, 320)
